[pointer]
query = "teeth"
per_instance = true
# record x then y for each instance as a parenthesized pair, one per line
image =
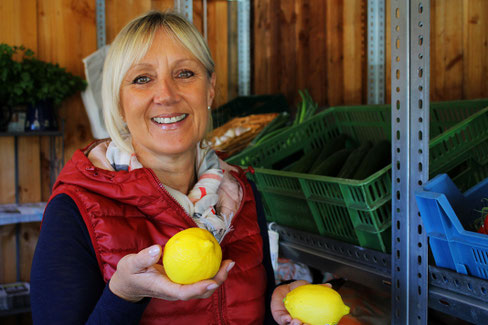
(169, 120)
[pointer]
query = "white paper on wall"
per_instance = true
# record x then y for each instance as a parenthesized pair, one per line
(92, 96)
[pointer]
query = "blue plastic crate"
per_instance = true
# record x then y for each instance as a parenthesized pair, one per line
(446, 213)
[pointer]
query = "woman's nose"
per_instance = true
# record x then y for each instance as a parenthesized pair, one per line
(166, 92)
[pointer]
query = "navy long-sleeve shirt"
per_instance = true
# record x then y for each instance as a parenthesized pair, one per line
(67, 286)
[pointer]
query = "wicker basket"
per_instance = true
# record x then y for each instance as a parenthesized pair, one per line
(235, 135)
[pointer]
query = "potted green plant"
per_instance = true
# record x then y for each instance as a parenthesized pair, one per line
(15, 83)
(40, 85)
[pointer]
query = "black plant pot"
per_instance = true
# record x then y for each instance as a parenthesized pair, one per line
(41, 117)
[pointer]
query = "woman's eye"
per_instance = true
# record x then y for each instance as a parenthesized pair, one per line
(185, 74)
(141, 80)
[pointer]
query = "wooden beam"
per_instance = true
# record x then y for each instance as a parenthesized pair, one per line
(475, 44)
(354, 54)
(335, 56)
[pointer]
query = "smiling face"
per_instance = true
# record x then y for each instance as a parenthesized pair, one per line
(164, 99)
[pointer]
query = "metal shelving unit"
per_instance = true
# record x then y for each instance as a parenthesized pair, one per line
(415, 285)
(352, 262)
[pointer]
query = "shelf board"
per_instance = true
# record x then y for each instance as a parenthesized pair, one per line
(459, 295)
(352, 262)
(21, 213)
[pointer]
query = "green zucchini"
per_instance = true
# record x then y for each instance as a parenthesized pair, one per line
(303, 164)
(377, 158)
(332, 165)
(333, 145)
(354, 160)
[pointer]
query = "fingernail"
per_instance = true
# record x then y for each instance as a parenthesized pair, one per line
(153, 251)
(231, 265)
(212, 286)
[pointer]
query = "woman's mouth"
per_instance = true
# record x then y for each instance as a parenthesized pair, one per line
(169, 120)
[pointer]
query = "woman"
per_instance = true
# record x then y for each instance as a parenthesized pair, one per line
(118, 201)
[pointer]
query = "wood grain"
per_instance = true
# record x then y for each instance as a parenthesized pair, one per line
(335, 56)
(162, 5)
(8, 271)
(18, 23)
(198, 15)
(7, 171)
(287, 62)
(447, 52)
(476, 47)
(354, 54)
(29, 170)
(316, 76)
(218, 44)
(119, 13)
(266, 47)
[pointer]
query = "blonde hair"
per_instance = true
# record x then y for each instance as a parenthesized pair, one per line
(130, 46)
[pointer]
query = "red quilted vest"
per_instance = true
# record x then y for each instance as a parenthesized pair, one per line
(128, 211)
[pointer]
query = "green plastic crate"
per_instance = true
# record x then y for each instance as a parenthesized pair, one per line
(359, 211)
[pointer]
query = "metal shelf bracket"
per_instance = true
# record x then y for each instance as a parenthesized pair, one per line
(376, 51)
(244, 46)
(101, 31)
(185, 8)
(410, 27)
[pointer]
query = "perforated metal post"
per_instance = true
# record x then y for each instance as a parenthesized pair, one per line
(376, 52)
(185, 8)
(410, 26)
(205, 20)
(244, 47)
(100, 17)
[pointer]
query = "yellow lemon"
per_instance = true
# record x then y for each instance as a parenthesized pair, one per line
(192, 255)
(315, 304)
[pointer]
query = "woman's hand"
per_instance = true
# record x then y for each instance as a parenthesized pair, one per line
(139, 276)
(278, 310)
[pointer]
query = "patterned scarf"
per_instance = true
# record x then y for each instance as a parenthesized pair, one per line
(201, 201)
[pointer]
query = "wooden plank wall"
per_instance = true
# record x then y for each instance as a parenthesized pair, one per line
(321, 46)
(314, 45)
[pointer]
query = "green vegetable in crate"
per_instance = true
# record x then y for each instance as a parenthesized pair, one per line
(378, 157)
(303, 164)
(332, 165)
(333, 145)
(305, 110)
(275, 125)
(354, 160)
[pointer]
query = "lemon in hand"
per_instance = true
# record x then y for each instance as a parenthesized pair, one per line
(315, 304)
(192, 255)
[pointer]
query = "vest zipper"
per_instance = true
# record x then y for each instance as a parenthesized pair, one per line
(158, 182)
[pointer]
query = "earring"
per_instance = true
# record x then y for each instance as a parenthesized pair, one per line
(209, 108)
